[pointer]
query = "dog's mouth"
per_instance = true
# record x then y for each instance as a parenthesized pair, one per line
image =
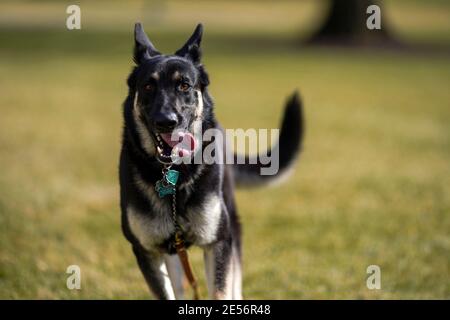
(174, 145)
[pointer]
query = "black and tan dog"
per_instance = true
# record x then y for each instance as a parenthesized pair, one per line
(168, 93)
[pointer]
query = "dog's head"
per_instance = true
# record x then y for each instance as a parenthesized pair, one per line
(168, 94)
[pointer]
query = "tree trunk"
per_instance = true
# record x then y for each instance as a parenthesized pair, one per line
(345, 24)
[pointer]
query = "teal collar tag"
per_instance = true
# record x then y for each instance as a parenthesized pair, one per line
(171, 176)
(167, 184)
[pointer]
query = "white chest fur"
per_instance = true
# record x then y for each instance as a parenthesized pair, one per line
(150, 230)
(203, 221)
(200, 222)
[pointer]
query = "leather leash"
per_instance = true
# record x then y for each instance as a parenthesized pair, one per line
(183, 255)
(166, 186)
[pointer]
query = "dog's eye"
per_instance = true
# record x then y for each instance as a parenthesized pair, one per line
(184, 87)
(148, 87)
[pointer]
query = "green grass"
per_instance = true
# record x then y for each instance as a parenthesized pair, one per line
(372, 185)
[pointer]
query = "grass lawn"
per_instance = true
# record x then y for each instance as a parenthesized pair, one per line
(372, 185)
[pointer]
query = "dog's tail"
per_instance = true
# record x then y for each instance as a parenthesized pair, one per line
(285, 151)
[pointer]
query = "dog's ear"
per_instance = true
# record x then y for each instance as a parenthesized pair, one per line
(204, 78)
(143, 48)
(191, 48)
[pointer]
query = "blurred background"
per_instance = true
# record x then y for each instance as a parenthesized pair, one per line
(372, 186)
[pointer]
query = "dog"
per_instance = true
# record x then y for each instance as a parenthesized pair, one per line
(167, 93)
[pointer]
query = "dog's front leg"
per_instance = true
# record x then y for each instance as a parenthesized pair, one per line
(175, 270)
(218, 268)
(155, 273)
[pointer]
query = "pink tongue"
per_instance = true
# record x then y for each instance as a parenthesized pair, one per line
(183, 140)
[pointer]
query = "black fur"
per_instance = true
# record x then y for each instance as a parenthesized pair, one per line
(159, 82)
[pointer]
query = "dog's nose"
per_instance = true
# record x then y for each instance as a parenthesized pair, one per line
(165, 121)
